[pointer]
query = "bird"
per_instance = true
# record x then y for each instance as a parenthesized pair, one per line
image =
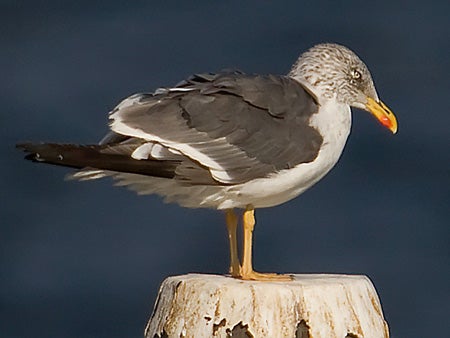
(230, 140)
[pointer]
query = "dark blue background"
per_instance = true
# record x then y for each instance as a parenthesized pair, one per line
(86, 259)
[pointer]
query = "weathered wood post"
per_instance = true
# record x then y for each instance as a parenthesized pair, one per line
(310, 306)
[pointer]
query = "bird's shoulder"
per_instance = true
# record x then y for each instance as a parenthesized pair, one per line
(277, 95)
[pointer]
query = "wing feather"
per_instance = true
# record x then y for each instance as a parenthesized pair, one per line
(237, 126)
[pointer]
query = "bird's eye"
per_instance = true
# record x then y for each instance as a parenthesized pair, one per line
(356, 74)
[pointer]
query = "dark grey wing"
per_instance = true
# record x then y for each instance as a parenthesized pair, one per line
(96, 159)
(240, 127)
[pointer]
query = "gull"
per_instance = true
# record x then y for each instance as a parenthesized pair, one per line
(231, 140)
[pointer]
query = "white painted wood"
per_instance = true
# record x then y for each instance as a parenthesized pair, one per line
(310, 306)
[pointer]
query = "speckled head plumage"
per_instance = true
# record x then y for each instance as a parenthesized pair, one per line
(332, 71)
(335, 71)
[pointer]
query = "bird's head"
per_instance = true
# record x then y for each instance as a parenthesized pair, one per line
(335, 72)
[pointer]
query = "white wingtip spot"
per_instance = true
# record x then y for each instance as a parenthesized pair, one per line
(38, 157)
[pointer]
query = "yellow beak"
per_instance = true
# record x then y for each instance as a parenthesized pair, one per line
(382, 113)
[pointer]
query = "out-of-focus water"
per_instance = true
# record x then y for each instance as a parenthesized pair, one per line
(85, 259)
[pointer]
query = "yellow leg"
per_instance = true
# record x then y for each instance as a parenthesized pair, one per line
(232, 223)
(247, 271)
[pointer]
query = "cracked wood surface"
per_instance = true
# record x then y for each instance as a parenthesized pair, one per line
(310, 306)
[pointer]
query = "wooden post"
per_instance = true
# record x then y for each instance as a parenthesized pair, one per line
(310, 306)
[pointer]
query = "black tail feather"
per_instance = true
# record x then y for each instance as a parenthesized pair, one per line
(91, 156)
